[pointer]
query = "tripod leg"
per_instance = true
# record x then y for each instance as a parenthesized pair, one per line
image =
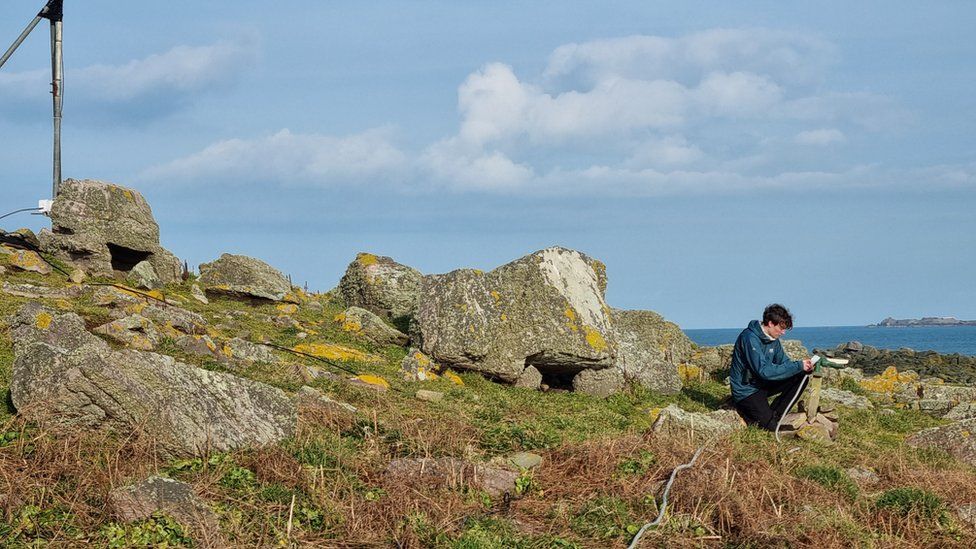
(13, 47)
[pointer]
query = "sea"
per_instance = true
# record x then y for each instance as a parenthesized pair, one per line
(942, 339)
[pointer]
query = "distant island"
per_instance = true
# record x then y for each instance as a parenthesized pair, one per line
(925, 321)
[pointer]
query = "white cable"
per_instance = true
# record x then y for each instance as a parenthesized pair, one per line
(796, 397)
(664, 499)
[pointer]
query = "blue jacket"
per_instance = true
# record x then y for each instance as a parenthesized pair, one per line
(757, 358)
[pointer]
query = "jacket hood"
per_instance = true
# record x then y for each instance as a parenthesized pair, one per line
(756, 328)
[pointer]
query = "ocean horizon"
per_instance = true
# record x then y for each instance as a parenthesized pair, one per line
(942, 339)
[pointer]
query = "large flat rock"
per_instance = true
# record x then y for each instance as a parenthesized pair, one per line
(64, 374)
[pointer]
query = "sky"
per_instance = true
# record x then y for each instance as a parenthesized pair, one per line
(717, 156)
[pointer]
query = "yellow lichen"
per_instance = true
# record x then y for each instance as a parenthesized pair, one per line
(421, 359)
(43, 321)
(453, 378)
(366, 259)
(654, 413)
(504, 317)
(690, 372)
(496, 296)
(889, 381)
(287, 308)
(63, 304)
(128, 194)
(227, 351)
(570, 314)
(373, 380)
(336, 352)
(156, 294)
(595, 339)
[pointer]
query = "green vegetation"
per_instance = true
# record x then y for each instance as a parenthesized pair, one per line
(602, 472)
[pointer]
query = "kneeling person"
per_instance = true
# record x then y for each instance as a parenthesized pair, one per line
(761, 369)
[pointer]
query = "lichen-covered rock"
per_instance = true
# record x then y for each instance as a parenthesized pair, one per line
(456, 473)
(956, 438)
(649, 349)
(846, 398)
(711, 359)
(964, 410)
(144, 276)
(62, 373)
(794, 349)
(159, 494)
(361, 322)
(242, 276)
(599, 383)
(545, 310)
(674, 420)
(383, 286)
(33, 291)
(27, 260)
(241, 349)
(136, 331)
(104, 228)
(417, 366)
(198, 294)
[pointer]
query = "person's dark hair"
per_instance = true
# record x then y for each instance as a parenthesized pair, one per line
(778, 315)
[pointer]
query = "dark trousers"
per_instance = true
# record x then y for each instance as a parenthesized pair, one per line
(755, 408)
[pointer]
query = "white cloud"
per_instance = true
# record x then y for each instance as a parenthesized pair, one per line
(288, 158)
(820, 137)
(718, 111)
(797, 60)
(136, 90)
(181, 70)
(667, 151)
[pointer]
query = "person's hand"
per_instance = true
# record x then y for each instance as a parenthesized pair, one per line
(808, 365)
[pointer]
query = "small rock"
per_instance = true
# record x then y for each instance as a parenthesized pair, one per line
(417, 366)
(27, 260)
(525, 460)
(429, 396)
(706, 426)
(531, 378)
(198, 294)
(599, 383)
(144, 276)
(3, 270)
(243, 276)
(77, 276)
(314, 307)
(457, 473)
(136, 331)
(370, 326)
(967, 513)
(159, 494)
(862, 475)
(247, 351)
(815, 432)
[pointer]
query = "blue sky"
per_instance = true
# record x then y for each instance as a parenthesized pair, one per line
(716, 156)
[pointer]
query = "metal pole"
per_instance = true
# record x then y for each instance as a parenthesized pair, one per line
(57, 79)
(19, 40)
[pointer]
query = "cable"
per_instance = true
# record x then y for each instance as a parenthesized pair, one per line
(664, 498)
(324, 360)
(34, 209)
(796, 397)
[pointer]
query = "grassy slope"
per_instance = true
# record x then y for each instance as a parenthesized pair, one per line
(596, 486)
